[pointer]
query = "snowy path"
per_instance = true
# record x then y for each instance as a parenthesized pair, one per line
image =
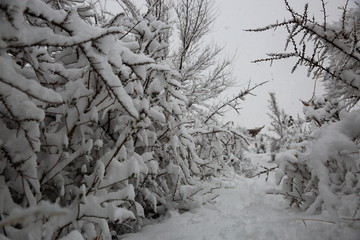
(242, 211)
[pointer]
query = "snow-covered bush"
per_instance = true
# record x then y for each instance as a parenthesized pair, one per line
(91, 121)
(322, 174)
(221, 147)
(321, 171)
(96, 133)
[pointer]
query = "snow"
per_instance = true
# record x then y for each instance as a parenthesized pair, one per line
(243, 210)
(73, 235)
(28, 86)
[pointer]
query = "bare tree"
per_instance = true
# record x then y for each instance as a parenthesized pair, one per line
(203, 75)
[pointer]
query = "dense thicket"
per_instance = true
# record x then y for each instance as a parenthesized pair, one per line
(99, 128)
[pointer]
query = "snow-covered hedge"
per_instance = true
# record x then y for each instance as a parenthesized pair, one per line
(93, 133)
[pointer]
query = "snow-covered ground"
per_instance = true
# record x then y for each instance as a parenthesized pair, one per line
(244, 211)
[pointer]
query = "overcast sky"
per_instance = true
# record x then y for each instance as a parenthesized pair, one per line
(233, 17)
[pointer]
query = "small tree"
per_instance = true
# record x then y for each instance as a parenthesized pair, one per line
(277, 117)
(284, 126)
(278, 125)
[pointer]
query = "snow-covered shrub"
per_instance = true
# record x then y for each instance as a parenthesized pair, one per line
(322, 174)
(221, 147)
(244, 166)
(92, 133)
(321, 171)
(98, 130)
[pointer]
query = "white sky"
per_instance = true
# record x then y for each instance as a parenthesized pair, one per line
(234, 16)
